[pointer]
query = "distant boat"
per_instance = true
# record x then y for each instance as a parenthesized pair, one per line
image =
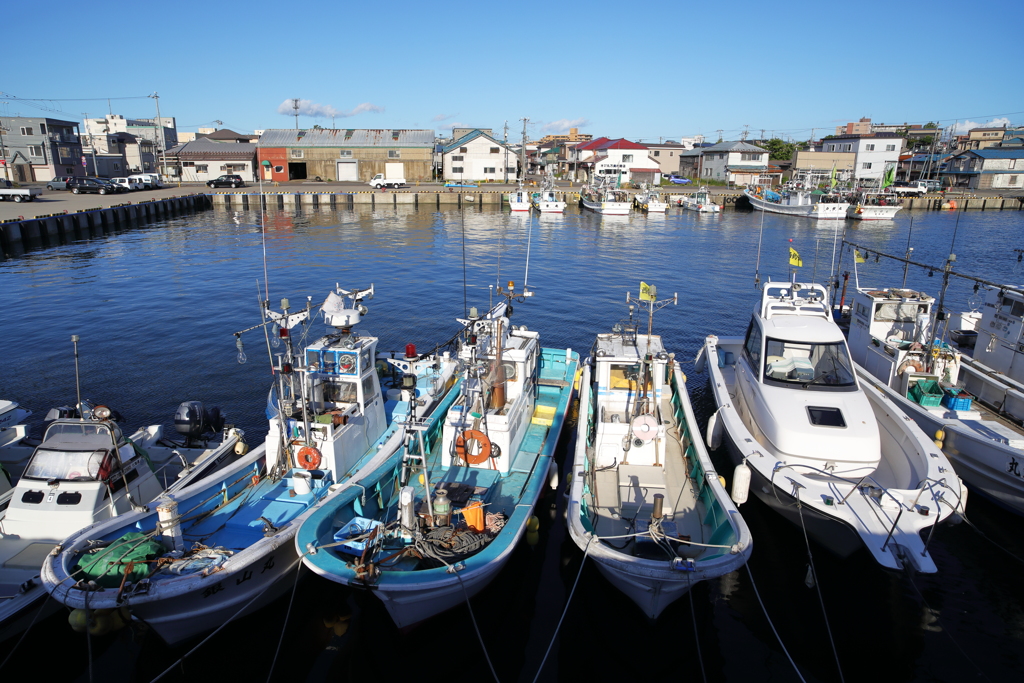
(700, 201)
(603, 198)
(873, 206)
(547, 200)
(519, 199)
(649, 200)
(796, 199)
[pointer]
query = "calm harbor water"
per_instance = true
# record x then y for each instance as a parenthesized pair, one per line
(155, 307)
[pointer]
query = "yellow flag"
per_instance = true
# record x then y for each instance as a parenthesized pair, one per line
(794, 258)
(647, 292)
(860, 256)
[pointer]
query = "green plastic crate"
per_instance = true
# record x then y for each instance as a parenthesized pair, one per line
(926, 393)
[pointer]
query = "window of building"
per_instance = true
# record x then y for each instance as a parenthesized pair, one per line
(68, 170)
(1013, 179)
(750, 156)
(657, 153)
(626, 158)
(42, 129)
(848, 147)
(866, 164)
(494, 150)
(463, 149)
(489, 169)
(345, 153)
(869, 148)
(26, 130)
(831, 148)
(890, 148)
(298, 153)
(457, 169)
(117, 166)
(279, 169)
(35, 150)
(510, 169)
(203, 168)
(394, 154)
(457, 157)
(1013, 164)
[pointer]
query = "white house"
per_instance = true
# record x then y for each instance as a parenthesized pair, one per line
(202, 160)
(478, 156)
(737, 162)
(630, 162)
(873, 152)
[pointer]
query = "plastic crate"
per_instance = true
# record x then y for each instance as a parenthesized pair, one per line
(356, 528)
(957, 399)
(926, 393)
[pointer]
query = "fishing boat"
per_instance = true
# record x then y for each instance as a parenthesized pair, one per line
(873, 206)
(447, 511)
(548, 200)
(602, 197)
(829, 453)
(218, 548)
(972, 404)
(649, 200)
(700, 201)
(519, 199)
(85, 470)
(797, 201)
(645, 502)
(15, 444)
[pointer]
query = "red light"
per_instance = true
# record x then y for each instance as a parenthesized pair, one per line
(284, 332)
(410, 350)
(286, 368)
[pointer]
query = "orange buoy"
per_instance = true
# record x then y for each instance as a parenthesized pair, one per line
(952, 203)
(308, 458)
(463, 452)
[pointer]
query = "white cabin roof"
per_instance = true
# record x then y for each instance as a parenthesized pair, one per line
(616, 345)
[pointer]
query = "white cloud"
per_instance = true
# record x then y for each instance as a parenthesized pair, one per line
(563, 125)
(311, 108)
(443, 117)
(963, 126)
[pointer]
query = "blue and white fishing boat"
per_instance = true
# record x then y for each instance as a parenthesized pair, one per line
(519, 199)
(645, 502)
(700, 201)
(548, 200)
(218, 548)
(649, 200)
(445, 513)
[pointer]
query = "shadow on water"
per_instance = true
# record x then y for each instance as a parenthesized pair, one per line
(156, 308)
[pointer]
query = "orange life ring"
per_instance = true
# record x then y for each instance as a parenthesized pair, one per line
(479, 437)
(308, 458)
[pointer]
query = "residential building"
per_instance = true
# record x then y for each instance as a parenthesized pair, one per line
(666, 155)
(809, 161)
(629, 161)
(982, 138)
(37, 149)
(862, 127)
(226, 135)
(574, 136)
(344, 154)
(737, 162)
(873, 152)
(204, 159)
(479, 156)
(986, 169)
(919, 166)
(163, 132)
(463, 132)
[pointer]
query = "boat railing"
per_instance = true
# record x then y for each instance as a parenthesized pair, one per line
(858, 484)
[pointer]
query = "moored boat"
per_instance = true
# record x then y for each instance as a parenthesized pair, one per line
(604, 199)
(649, 200)
(827, 452)
(223, 544)
(873, 206)
(699, 201)
(450, 508)
(793, 201)
(519, 199)
(548, 200)
(645, 502)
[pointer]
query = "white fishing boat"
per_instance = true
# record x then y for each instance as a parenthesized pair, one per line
(649, 200)
(645, 502)
(222, 545)
(794, 201)
(972, 405)
(15, 445)
(548, 200)
(829, 453)
(873, 206)
(519, 199)
(450, 508)
(84, 470)
(700, 201)
(603, 198)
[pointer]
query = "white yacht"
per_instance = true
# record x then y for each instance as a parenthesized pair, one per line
(829, 453)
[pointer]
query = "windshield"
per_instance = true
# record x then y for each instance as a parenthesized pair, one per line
(807, 365)
(65, 464)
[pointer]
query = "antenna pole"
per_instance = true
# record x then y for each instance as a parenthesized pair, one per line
(78, 386)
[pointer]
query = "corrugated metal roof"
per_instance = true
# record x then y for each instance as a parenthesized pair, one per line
(736, 146)
(990, 153)
(213, 150)
(346, 137)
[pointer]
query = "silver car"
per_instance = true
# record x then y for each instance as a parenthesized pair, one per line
(59, 183)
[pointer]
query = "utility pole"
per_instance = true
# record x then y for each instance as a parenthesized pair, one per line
(3, 150)
(719, 135)
(506, 151)
(92, 144)
(295, 107)
(162, 141)
(522, 152)
(745, 127)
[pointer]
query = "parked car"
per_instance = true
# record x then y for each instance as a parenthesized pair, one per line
(932, 184)
(905, 187)
(226, 181)
(94, 186)
(678, 180)
(60, 183)
(149, 181)
(127, 183)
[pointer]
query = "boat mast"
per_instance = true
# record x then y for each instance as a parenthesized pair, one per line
(522, 154)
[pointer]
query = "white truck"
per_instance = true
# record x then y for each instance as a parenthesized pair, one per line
(18, 194)
(393, 176)
(915, 187)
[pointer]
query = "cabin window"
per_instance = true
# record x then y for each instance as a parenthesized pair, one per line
(825, 365)
(625, 377)
(368, 389)
(861, 311)
(899, 312)
(341, 392)
(752, 347)
(68, 465)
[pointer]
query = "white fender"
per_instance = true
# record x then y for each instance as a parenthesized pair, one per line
(714, 432)
(553, 475)
(740, 484)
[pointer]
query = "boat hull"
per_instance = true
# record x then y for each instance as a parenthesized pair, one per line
(817, 210)
(872, 213)
(607, 208)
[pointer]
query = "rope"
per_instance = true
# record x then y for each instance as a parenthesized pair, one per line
(42, 605)
(696, 634)
(564, 610)
(284, 626)
(985, 536)
(817, 586)
(777, 636)
(935, 613)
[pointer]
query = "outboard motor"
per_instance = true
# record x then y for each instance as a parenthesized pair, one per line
(192, 421)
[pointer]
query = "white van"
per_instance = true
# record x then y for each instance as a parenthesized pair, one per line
(149, 181)
(127, 183)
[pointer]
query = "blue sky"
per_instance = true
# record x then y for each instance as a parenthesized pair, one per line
(644, 72)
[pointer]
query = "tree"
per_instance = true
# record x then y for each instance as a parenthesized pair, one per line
(779, 149)
(930, 124)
